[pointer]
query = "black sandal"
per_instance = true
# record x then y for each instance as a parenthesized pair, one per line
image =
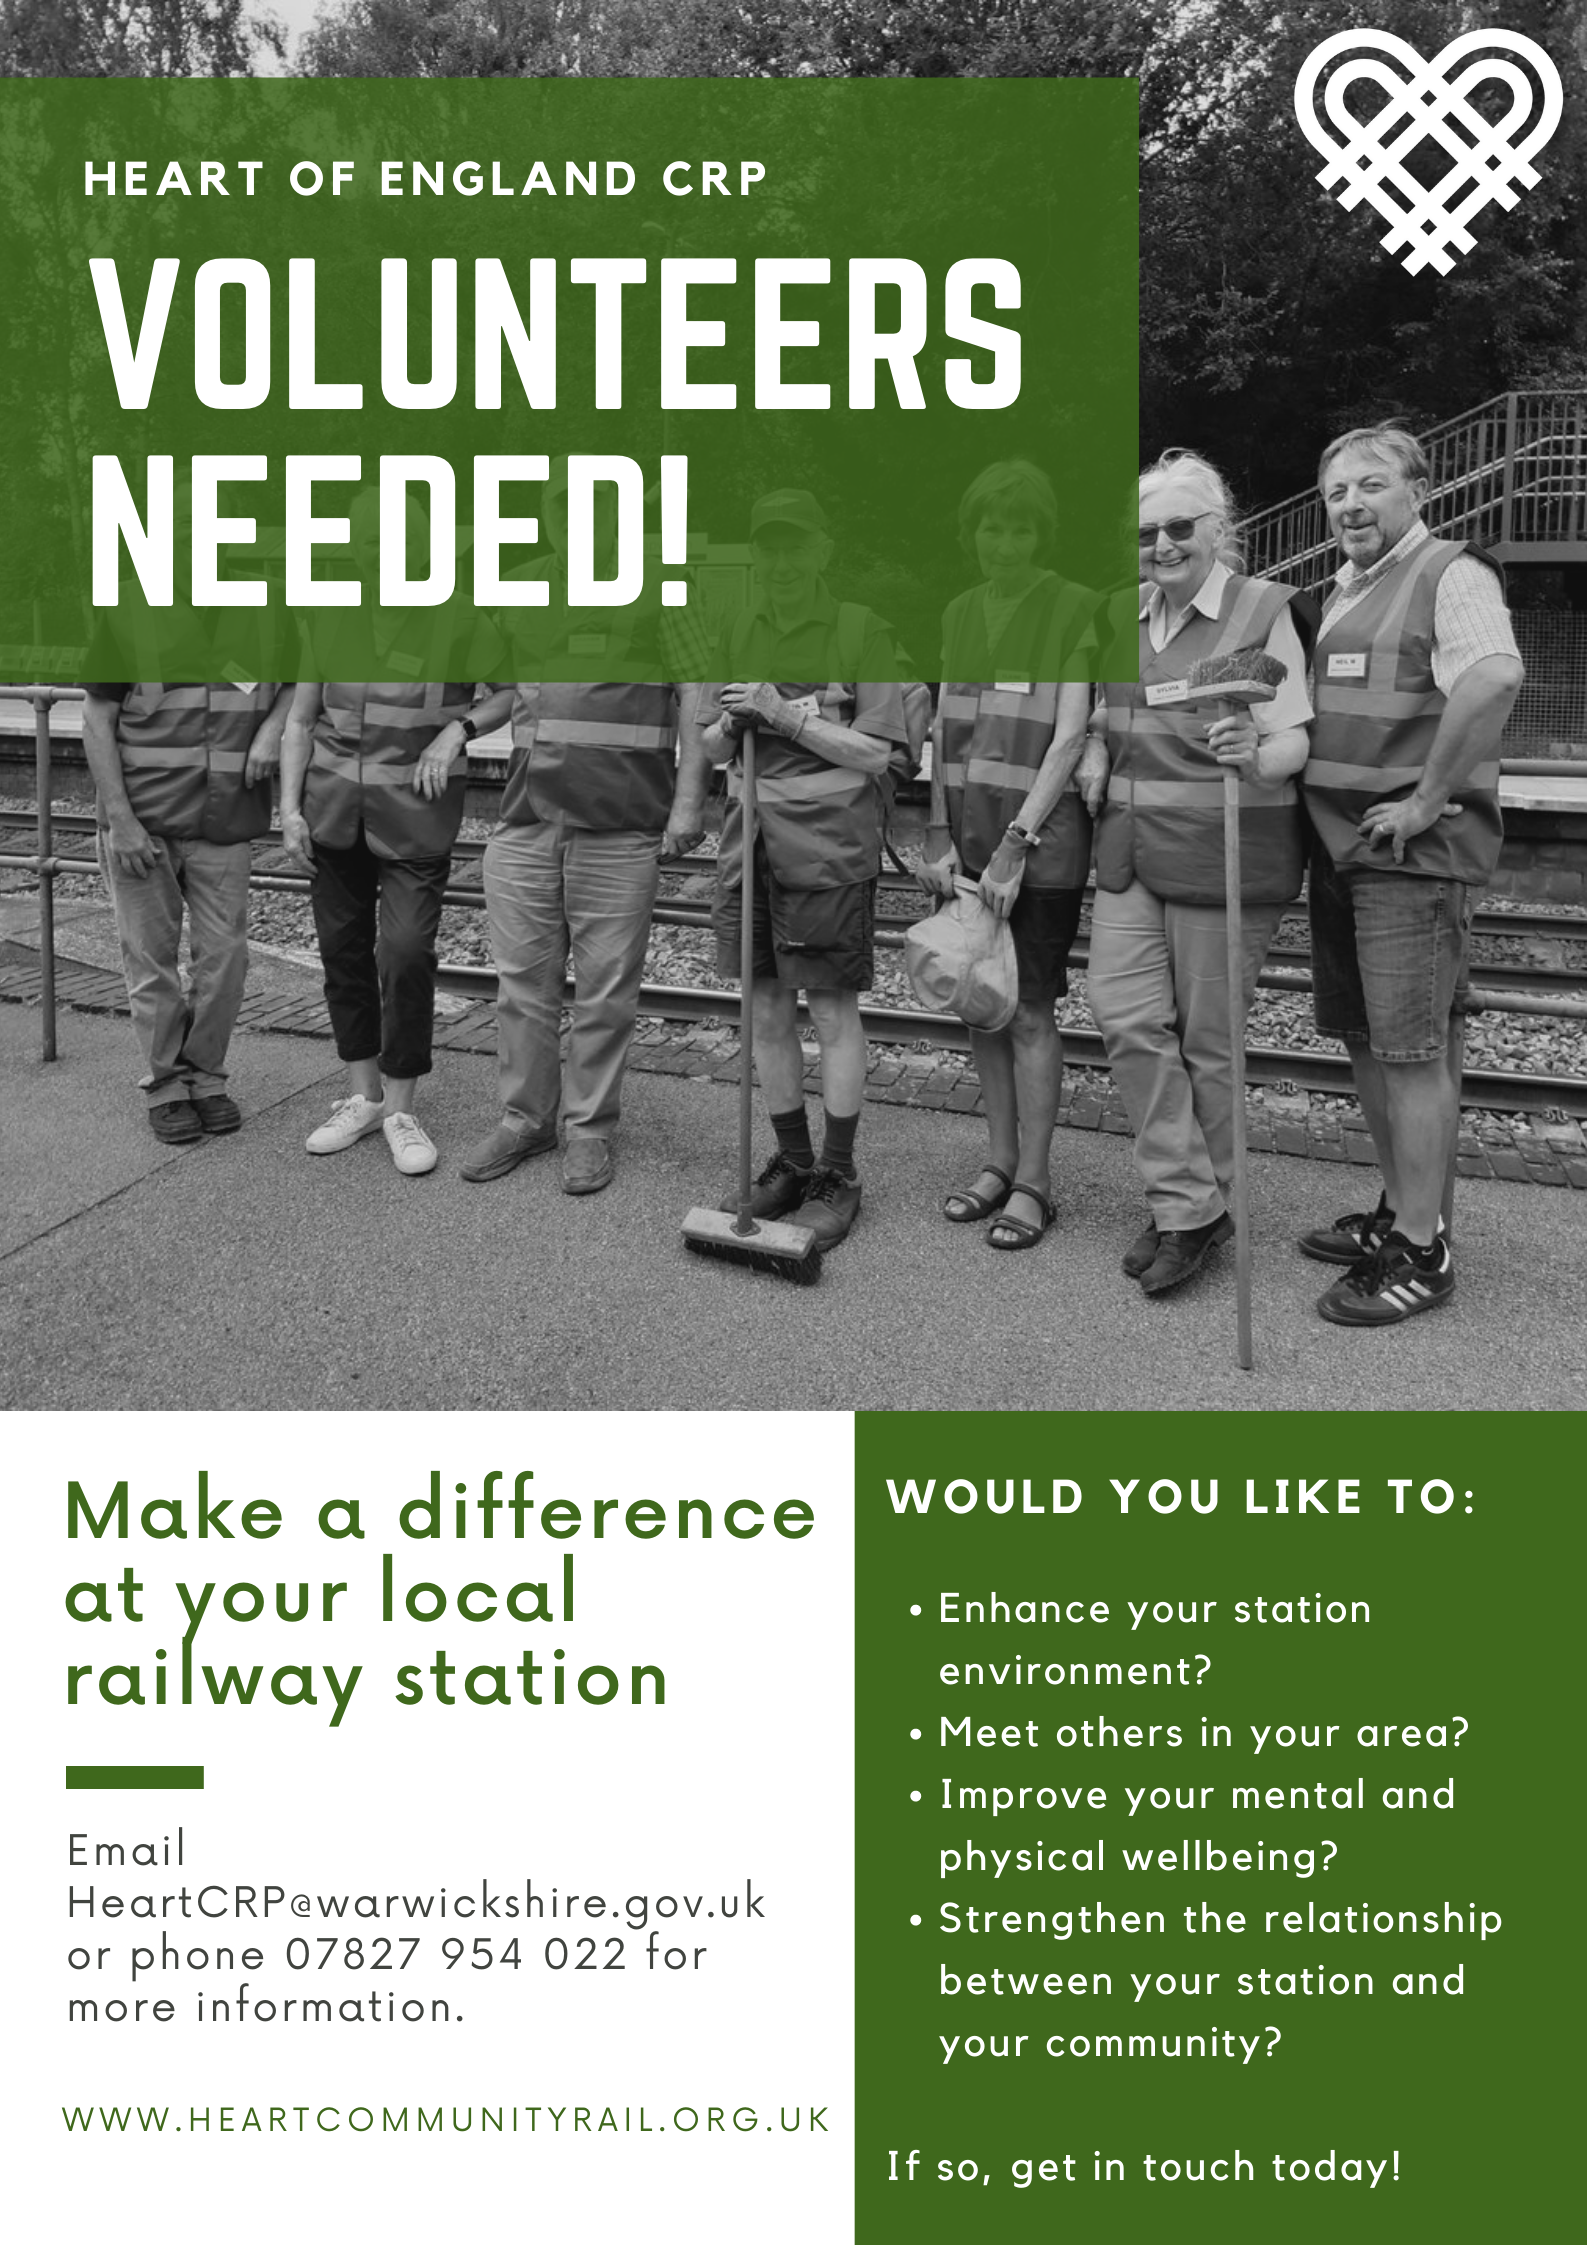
(976, 1206)
(1025, 1235)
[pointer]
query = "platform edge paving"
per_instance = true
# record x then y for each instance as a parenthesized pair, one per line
(1491, 1146)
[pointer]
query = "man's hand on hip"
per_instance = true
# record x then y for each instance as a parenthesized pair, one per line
(1399, 823)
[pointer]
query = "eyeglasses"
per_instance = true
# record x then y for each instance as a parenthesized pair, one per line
(1178, 531)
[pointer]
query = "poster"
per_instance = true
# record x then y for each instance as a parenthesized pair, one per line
(553, 1801)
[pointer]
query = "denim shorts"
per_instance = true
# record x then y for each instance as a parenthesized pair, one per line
(1389, 958)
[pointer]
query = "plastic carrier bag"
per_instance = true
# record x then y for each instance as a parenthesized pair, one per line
(962, 961)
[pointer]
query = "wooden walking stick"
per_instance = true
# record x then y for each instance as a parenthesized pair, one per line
(1221, 685)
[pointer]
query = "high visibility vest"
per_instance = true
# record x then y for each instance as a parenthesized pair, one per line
(994, 736)
(367, 741)
(1162, 823)
(821, 823)
(1377, 712)
(602, 757)
(183, 749)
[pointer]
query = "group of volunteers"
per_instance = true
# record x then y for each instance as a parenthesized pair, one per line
(1373, 769)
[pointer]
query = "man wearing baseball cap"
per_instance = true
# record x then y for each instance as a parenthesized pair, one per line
(823, 752)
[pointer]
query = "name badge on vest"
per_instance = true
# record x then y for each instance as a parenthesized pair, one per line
(805, 706)
(232, 673)
(1168, 690)
(1015, 685)
(409, 665)
(1348, 666)
(586, 642)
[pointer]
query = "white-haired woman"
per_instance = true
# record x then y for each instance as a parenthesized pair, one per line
(1158, 970)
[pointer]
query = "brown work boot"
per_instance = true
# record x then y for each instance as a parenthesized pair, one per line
(175, 1122)
(218, 1115)
(1180, 1253)
(1138, 1259)
(778, 1190)
(830, 1205)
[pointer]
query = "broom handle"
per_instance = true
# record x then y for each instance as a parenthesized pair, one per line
(745, 1224)
(1236, 962)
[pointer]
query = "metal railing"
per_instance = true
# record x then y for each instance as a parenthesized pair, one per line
(1511, 474)
(44, 861)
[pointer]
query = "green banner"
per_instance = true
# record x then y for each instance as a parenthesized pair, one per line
(1213, 1861)
(286, 366)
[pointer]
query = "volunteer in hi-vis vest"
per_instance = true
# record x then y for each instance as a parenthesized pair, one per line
(1416, 671)
(1006, 814)
(1158, 974)
(182, 774)
(823, 750)
(372, 784)
(603, 780)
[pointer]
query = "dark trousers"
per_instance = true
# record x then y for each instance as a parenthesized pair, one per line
(376, 919)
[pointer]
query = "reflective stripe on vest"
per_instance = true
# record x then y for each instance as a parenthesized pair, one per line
(994, 739)
(367, 741)
(183, 753)
(603, 757)
(797, 787)
(1162, 823)
(821, 823)
(1373, 732)
(582, 732)
(1155, 795)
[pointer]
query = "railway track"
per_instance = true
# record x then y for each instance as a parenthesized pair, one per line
(1500, 986)
(1496, 1089)
(16, 829)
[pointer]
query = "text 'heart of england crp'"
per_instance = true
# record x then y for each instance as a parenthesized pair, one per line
(1489, 161)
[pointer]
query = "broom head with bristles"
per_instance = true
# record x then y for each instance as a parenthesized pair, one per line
(1245, 675)
(785, 1251)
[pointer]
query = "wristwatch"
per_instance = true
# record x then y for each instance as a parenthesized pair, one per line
(1020, 836)
(470, 729)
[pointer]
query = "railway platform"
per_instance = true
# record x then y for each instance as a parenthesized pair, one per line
(243, 1274)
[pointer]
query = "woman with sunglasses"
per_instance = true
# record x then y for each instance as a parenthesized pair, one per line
(1158, 968)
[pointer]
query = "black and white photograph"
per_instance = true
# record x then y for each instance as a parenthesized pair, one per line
(1127, 992)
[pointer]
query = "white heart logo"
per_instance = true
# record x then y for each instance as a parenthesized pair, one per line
(1487, 162)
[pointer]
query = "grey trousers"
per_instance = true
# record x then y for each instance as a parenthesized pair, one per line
(1158, 984)
(184, 1032)
(555, 892)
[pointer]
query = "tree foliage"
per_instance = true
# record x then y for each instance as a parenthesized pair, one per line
(133, 39)
(1269, 316)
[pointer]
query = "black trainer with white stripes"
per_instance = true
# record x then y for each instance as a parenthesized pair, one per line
(1350, 1237)
(1396, 1281)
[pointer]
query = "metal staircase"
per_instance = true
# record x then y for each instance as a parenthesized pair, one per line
(1510, 474)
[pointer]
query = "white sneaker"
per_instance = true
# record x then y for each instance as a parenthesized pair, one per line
(350, 1120)
(412, 1148)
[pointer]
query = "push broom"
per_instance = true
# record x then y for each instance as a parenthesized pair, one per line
(736, 1236)
(1222, 685)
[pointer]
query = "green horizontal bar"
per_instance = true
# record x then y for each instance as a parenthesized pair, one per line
(134, 1777)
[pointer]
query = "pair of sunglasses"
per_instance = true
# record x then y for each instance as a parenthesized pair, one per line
(1179, 530)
